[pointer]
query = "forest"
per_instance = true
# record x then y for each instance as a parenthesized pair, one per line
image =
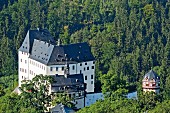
(127, 38)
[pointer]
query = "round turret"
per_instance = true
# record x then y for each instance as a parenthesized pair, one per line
(151, 82)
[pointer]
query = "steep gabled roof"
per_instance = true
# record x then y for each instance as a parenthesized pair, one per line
(71, 53)
(39, 34)
(42, 47)
(41, 51)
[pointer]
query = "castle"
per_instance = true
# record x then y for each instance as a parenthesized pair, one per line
(72, 66)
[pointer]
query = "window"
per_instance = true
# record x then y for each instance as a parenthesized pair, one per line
(73, 67)
(93, 62)
(85, 77)
(85, 63)
(84, 69)
(147, 84)
(87, 68)
(25, 61)
(91, 82)
(56, 68)
(20, 69)
(51, 68)
(80, 64)
(92, 67)
(91, 76)
(25, 71)
(154, 84)
(62, 69)
(80, 72)
(21, 60)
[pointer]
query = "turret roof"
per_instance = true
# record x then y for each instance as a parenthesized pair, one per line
(151, 75)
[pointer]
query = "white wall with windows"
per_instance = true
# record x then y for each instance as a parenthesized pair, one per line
(29, 68)
(73, 69)
(36, 68)
(88, 71)
(22, 66)
(55, 69)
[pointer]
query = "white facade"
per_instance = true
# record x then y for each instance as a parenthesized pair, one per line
(88, 71)
(29, 68)
(23, 66)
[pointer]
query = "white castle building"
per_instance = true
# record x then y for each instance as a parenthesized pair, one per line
(39, 54)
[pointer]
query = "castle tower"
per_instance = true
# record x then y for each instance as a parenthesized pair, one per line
(151, 82)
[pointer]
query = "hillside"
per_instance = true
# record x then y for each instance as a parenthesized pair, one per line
(127, 37)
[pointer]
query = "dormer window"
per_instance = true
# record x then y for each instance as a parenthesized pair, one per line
(146, 78)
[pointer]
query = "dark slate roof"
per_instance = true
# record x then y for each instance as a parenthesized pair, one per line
(61, 80)
(39, 34)
(42, 47)
(60, 108)
(72, 83)
(72, 53)
(41, 51)
(151, 75)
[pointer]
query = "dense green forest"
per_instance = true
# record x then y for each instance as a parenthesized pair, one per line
(127, 38)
